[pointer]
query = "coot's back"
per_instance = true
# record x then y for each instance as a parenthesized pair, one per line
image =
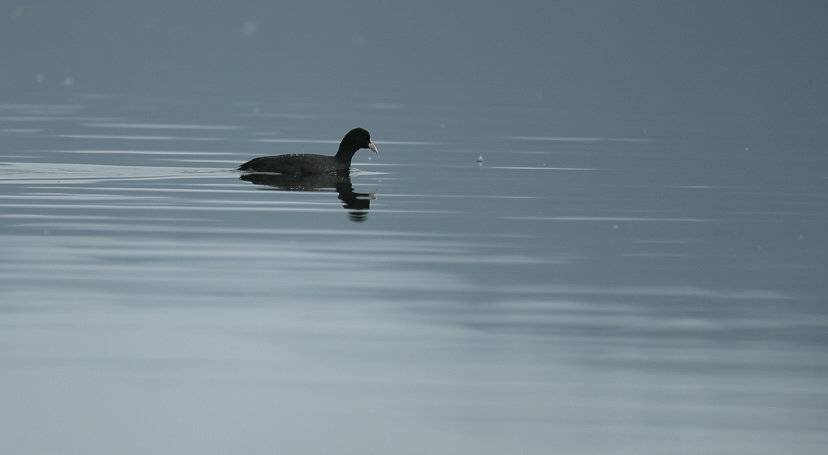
(294, 164)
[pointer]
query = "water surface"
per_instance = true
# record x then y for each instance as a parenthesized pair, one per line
(493, 282)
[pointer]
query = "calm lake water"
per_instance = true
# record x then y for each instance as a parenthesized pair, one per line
(500, 279)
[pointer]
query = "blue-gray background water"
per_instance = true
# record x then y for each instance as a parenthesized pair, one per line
(591, 228)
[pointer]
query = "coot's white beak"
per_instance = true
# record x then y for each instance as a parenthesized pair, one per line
(373, 147)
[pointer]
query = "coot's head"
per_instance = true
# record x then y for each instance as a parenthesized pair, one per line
(358, 138)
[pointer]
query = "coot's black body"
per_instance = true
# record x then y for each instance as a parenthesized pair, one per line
(308, 164)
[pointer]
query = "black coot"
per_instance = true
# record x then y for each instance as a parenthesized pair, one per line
(307, 164)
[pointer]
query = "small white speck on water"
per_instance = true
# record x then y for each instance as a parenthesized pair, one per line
(443, 125)
(249, 28)
(68, 82)
(615, 226)
(801, 237)
(747, 149)
(479, 158)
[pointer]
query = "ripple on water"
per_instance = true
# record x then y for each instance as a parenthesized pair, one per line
(140, 137)
(52, 173)
(542, 168)
(580, 139)
(161, 126)
(142, 152)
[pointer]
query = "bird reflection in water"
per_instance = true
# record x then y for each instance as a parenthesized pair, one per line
(357, 204)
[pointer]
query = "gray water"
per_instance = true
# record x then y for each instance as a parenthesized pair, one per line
(593, 227)
(638, 290)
